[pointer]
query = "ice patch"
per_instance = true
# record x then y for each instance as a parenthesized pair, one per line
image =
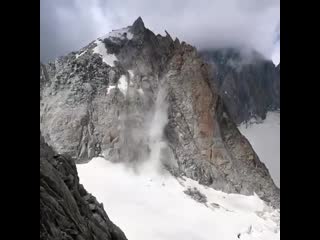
(110, 87)
(123, 84)
(265, 140)
(102, 51)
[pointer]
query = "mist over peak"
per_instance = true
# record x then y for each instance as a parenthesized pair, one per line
(67, 26)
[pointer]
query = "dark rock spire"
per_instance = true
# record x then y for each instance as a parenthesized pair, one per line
(138, 25)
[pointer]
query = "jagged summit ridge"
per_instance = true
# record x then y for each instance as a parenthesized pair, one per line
(138, 25)
(137, 28)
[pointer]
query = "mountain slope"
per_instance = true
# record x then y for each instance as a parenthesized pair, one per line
(132, 94)
(67, 211)
(248, 84)
(155, 205)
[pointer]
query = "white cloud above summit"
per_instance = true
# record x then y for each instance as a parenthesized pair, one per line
(69, 25)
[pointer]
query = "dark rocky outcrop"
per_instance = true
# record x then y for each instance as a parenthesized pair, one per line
(89, 108)
(195, 194)
(67, 210)
(248, 84)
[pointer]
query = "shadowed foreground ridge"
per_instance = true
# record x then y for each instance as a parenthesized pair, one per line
(67, 211)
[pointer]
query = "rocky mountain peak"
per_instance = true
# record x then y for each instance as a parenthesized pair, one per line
(168, 35)
(138, 26)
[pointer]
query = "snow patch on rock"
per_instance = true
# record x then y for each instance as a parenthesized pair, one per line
(122, 33)
(102, 51)
(123, 84)
(80, 54)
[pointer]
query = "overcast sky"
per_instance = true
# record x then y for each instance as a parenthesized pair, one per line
(68, 25)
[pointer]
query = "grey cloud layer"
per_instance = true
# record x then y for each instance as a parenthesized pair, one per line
(70, 25)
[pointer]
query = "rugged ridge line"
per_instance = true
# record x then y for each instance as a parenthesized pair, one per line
(67, 210)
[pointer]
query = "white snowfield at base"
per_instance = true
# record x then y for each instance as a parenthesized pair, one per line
(153, 205)
(265, 140)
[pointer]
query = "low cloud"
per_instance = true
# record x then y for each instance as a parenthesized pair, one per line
(69, 25)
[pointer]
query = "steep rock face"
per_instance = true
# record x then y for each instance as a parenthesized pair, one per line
(87, 103)
(67, 211)
(92, 105)
(248, 84)
(205, 140)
